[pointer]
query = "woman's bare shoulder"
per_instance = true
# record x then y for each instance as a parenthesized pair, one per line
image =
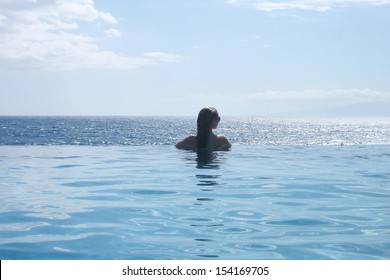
(189, 143)
(222, 137)
(224, 143)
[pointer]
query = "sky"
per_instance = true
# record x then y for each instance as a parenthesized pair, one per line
(174, 57)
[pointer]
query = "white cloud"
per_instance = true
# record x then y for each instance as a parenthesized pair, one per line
(113, 32)
(315, 94)
(354, 95)
(162, 56)
(46, 34)
(83, 9)
(314, 5)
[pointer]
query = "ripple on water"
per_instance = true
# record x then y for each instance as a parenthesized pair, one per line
(245, 215)
(146, 225)
(67, 166)
(204, 240)
(201, 221)
(205, 252)
(298, 222)
(234, 230)
(255, 250)
(152, 192)
(94, 183)
(255, 247)
(205, 199)
(98, 198)
(207, 183)
(289, 203)
(209, 256)
(357, 251)
(349, 218)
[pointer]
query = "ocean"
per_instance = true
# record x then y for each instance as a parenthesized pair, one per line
(116, 188)
(139, 131)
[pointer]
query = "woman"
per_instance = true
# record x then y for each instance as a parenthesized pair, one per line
(208, 120)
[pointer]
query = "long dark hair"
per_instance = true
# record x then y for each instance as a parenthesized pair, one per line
(205, 118)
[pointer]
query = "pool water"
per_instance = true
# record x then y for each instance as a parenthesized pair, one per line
(156, 202)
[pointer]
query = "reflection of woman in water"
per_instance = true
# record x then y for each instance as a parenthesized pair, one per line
(208, 120)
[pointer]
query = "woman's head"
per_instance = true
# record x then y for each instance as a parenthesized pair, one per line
(208, 119)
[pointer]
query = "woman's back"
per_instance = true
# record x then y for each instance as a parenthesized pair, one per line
(215, 142)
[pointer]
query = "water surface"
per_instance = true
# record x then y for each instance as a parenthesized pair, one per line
(156, 202)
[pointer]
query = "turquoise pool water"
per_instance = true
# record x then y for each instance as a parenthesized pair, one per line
(156, 202)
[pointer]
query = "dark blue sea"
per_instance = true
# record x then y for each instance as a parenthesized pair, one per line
(139, 131)
(116, 188)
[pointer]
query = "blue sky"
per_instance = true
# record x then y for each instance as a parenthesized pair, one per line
(173, 57)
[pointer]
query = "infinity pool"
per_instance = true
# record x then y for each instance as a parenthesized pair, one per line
(156, 202)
